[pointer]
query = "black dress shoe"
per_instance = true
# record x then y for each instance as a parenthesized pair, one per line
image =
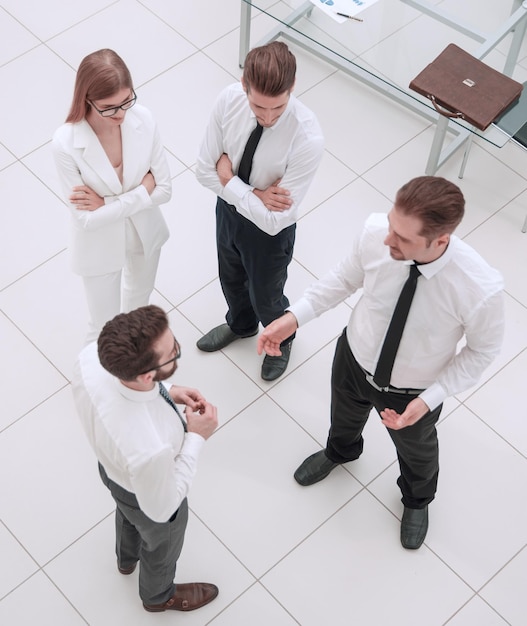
(274, 366)
(188, 596)
(314, 469)
(413, 527)
(219, 338)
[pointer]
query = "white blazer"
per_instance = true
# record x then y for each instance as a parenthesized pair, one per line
(97, 242)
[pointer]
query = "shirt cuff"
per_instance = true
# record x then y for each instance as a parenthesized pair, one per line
(303, 311)
(192, 444)
(235, 190)
(433, 396)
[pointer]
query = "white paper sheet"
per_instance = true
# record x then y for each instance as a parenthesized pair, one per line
(347, 7)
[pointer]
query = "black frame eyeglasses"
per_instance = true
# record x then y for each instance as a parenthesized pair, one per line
(177, 350)
(114, 110)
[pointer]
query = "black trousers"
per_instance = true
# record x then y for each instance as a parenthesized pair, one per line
(155, 545)
(252, 269)
(352, 398)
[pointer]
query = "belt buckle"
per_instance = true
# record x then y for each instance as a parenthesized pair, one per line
(369, 378)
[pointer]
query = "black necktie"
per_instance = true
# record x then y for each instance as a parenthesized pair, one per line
(246, 164)
(166, 396)
(390, 346)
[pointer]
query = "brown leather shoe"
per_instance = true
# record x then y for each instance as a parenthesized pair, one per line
(126, 571)
(188, 596)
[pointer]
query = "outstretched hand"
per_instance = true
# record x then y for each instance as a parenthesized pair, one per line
(272, 336)
(412, 414)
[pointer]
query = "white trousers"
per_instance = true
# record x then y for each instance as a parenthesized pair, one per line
(121, 291)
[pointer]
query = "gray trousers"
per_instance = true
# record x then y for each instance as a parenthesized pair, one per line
(155, 545)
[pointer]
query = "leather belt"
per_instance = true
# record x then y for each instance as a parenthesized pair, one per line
(390, 389)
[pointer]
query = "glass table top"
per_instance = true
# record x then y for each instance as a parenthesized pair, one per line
(393, 42)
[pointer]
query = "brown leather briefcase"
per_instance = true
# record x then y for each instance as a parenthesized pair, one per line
(461, 86)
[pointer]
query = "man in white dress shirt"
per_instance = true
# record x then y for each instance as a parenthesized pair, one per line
(147, 452)
(458, 295)
(257, 206)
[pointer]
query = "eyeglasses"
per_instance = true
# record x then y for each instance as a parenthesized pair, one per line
(177, 350)
(114, 110)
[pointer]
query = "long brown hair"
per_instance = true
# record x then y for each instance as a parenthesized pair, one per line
(100, 75)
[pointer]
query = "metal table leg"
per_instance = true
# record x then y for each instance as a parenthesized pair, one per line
(245, 31)
(437, 146)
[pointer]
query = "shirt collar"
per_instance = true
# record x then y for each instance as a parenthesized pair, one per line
(134, 395)
(429, 270)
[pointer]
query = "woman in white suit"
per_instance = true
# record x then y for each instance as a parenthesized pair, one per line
(114, 174)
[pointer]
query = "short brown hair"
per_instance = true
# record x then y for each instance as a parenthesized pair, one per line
(437, 202)
(270, 70)
(100, 75)
(126, 343)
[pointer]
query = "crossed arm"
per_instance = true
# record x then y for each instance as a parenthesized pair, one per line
(274, 198)
(83, 198)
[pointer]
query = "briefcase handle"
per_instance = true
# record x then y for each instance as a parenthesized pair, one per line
(443, 111)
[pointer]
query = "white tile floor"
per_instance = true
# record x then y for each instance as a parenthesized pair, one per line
(281, 554)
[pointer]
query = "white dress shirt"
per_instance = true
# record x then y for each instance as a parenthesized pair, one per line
(137, 437)
(98, 238)
(289, 150)
(458, 296)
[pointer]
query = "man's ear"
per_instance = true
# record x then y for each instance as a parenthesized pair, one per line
(244, 86)
(146, 379)
(442, 240)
